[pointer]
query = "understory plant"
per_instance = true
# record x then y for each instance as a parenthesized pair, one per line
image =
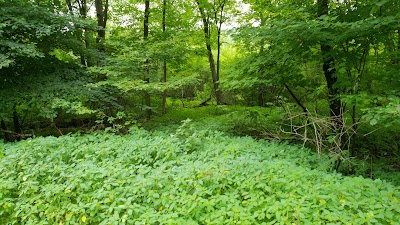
(190, 176)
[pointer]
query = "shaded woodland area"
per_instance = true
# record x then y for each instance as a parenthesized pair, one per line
(81, 64)
(321, 75)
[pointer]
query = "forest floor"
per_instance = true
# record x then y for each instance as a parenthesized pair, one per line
(185, 174)
(378, 152)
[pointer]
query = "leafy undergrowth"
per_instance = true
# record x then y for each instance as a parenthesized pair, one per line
(236, 120)
(189, 176)
(378, 152)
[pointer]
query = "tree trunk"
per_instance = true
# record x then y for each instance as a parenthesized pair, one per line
(261, 93)
(219, 27)
(164, 78)
(17, 125)
(262, 87)
(335, 105)
(146, 78)
(83, 12)
(82, 6)
(101, 13)
(214, 74)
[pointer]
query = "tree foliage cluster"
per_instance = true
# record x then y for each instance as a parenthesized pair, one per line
(42, 48)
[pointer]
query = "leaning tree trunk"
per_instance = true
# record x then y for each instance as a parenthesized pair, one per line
(214, 73)
(329, 69)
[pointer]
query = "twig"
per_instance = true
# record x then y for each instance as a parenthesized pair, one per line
(15, 134)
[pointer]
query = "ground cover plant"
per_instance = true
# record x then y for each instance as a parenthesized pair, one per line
(188, 176)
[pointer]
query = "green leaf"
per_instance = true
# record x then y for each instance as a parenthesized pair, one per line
(373, 122)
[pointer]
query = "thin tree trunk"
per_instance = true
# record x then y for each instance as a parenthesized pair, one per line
(354, 138)
(219, 39)
(17, 125)
(146, 78)
(220, 22)
(214, 74)
(83, 13)
(262, 87)
(261, 92)
(305, 110)
(164, 78)
(335, 105)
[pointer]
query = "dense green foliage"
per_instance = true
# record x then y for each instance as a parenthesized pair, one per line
(40, 72)
(190, 176)
(379, 151)
(319, 77)
(255, 51)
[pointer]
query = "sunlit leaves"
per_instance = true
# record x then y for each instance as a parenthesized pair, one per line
(29, 31)
(190, 176)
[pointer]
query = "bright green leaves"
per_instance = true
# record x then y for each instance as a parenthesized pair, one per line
(28, 30)
(4, 61)
(380, 3)
(380, 110)
(386, 114)
(162, 178)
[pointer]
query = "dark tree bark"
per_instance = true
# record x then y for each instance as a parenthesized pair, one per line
(146, 19)
(69, 5)
(17, 125)
(207, 36)
(335, 105)
(261, 95)
(329, 69)
(305, 110)
(82, 8)
(164, 78)
(147, 99)
(102, 17)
